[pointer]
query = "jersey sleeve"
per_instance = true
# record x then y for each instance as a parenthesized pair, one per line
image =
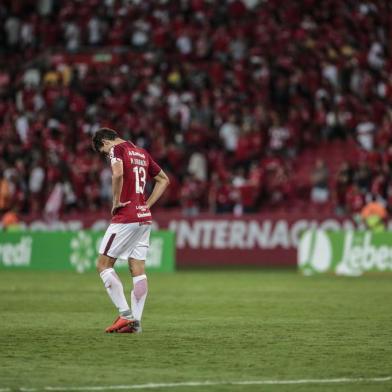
(115, 155)
(153, 167)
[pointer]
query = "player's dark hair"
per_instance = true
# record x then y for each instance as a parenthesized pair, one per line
(103, 134)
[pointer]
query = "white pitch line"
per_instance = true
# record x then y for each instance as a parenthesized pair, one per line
(344, 380)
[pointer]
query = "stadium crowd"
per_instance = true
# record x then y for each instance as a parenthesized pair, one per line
(226, 95)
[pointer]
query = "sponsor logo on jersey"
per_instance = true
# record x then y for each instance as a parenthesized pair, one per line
(143, 214)
(137, 154)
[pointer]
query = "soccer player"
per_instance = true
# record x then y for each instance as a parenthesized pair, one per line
(128, 235)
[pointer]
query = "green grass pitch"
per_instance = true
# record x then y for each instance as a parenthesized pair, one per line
(198, 326)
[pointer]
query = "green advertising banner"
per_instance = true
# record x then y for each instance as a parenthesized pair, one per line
(350, 253)
(75, 250)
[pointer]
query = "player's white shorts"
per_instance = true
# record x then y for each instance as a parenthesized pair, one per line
(126, 240)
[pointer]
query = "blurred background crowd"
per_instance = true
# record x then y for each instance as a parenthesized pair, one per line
(248, 105)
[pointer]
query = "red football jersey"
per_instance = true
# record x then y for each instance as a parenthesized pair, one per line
(137, 164)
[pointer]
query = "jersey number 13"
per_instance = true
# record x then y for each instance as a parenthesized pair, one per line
(140, 176)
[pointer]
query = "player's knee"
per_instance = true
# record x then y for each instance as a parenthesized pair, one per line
(137, 268)
(137, 271)
(100, 267)
(102, 264)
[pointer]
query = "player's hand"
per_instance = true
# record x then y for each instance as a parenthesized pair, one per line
(118, 205)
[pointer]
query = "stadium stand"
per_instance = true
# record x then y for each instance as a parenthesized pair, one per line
(245, 115)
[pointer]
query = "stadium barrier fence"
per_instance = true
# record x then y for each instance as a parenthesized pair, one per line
(75, 250)
(210, 240)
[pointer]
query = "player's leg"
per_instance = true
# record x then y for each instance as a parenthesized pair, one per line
(113, 284)
(140, 287)
(112, 281)
(136, 262)
(137, 267)
(138, 294)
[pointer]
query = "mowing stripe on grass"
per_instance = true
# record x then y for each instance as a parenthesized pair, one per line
(344, 380)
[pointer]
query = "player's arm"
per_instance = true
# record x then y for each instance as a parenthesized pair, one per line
(117, 184)
(161, 183)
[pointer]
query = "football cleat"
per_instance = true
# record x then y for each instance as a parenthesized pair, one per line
(119, 323)
(135, 328)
